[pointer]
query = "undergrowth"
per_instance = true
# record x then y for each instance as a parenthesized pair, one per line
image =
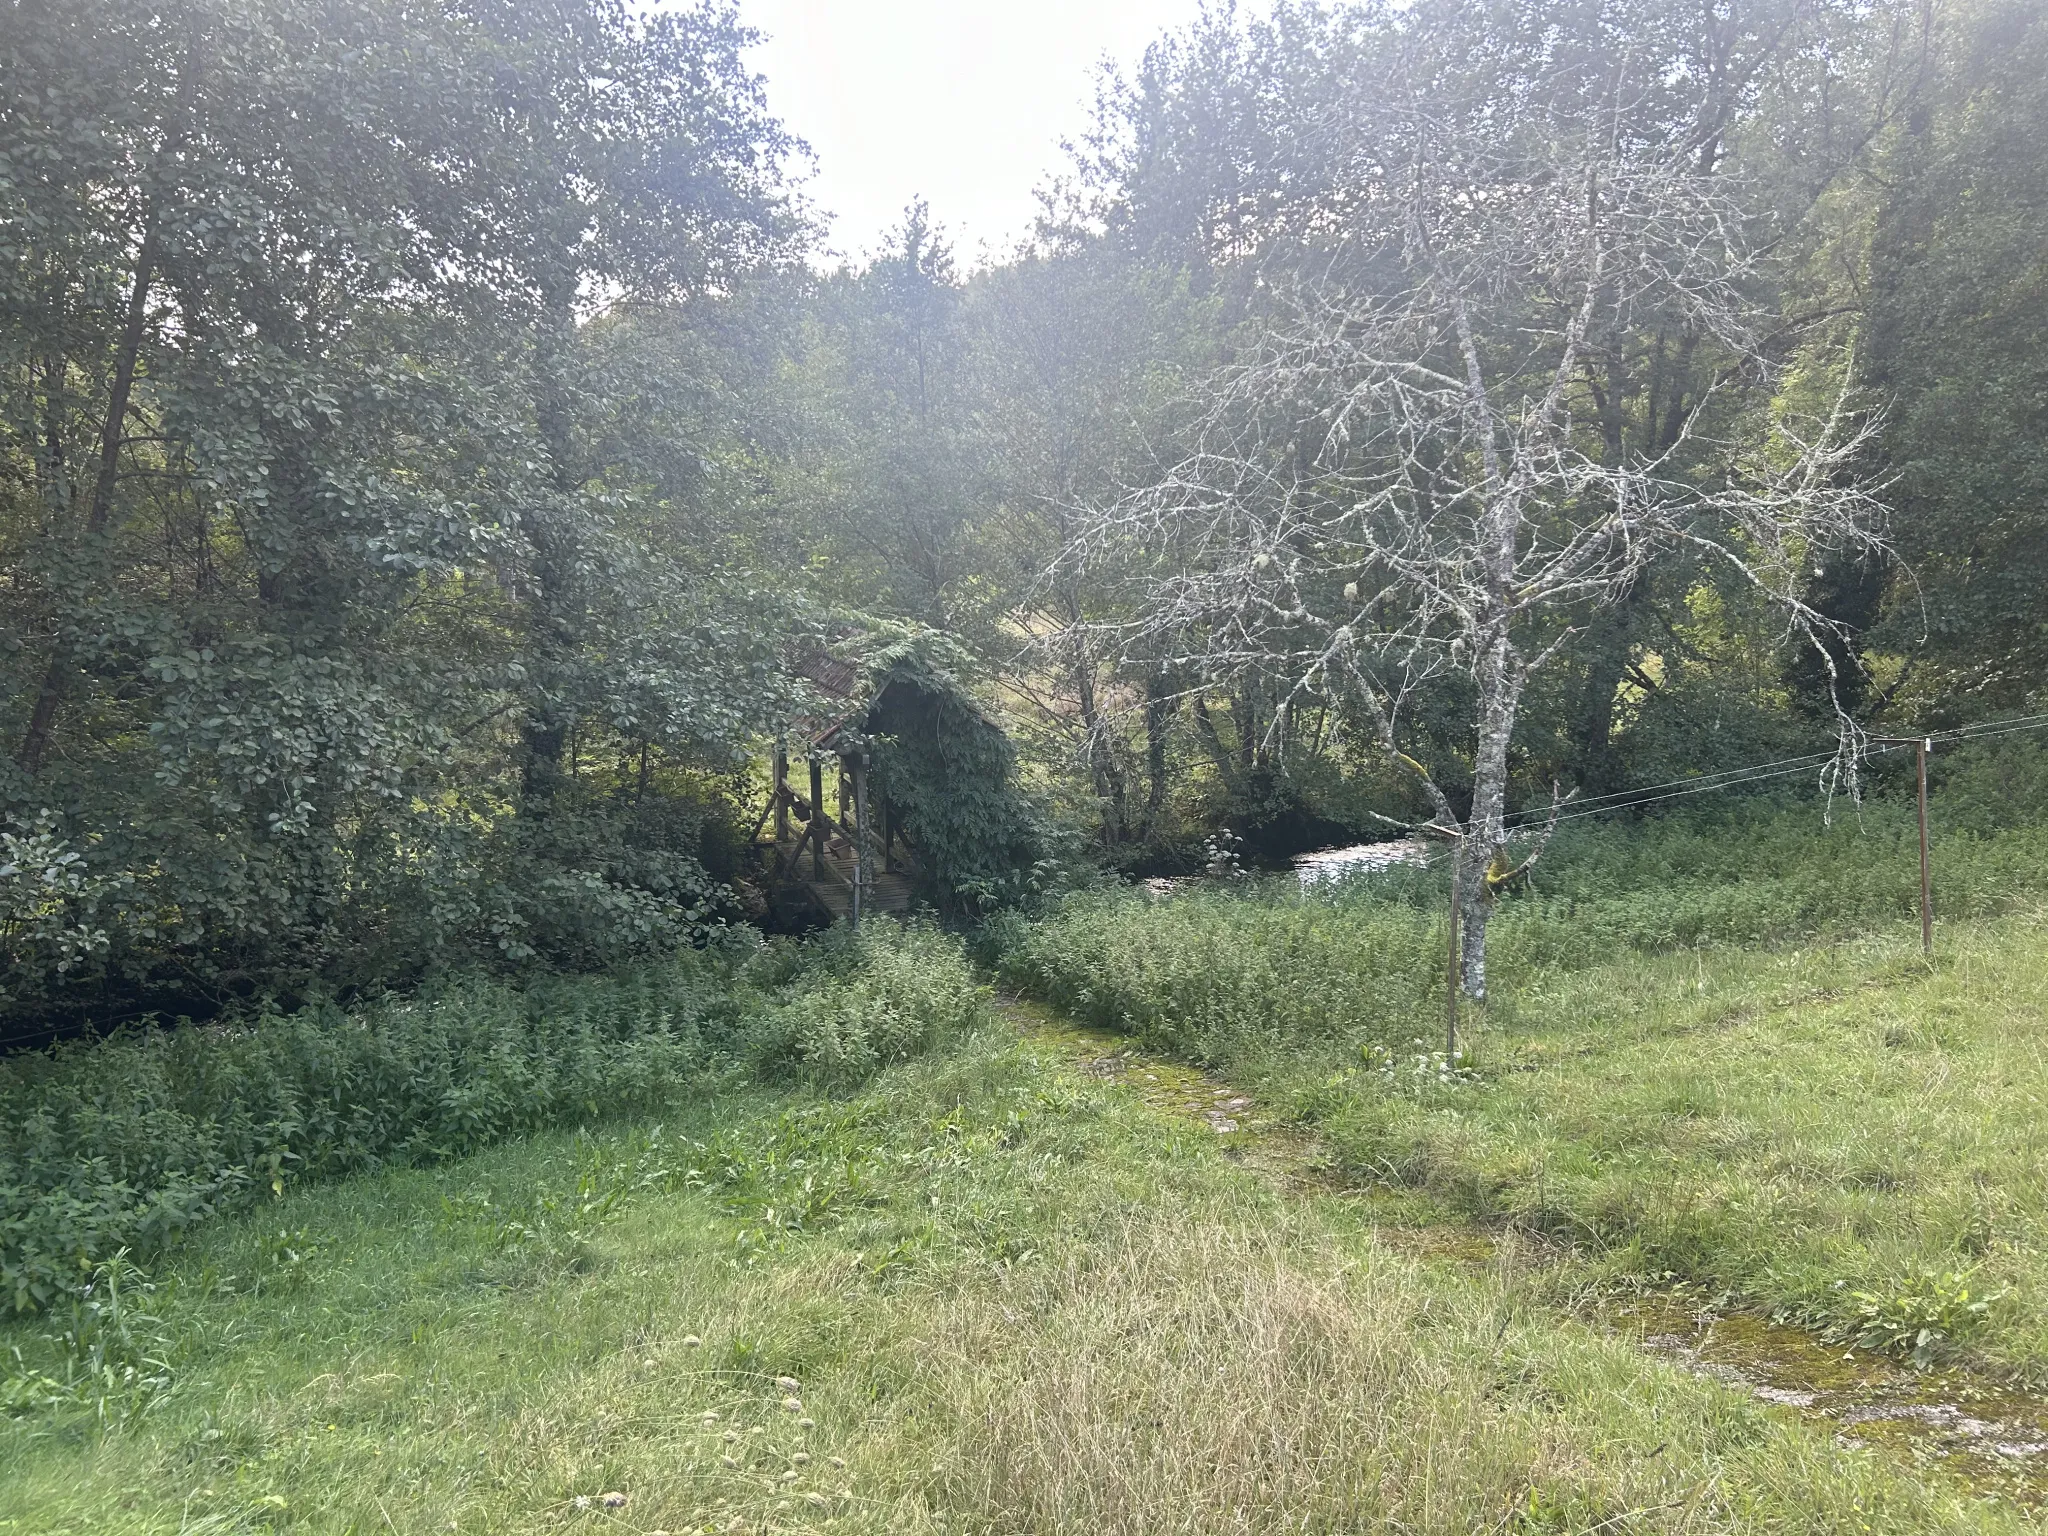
(121, 1146)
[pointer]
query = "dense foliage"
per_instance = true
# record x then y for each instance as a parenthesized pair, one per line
(949, 773)
(359, 591)
(1958, 340)
(422, 441)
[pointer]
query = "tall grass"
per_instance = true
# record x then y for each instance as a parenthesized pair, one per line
(1222, 972)
(1219, 974)
(128, 1142)
(1759, 873)
(1216, 1376)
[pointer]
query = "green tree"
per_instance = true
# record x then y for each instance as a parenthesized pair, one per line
(885, 470)
(301, 497)
(1956, 335)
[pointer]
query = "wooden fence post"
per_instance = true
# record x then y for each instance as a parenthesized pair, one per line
(1451, 971)
(1926, 881)
(1921, 746)
(781, 794)
(861, 854)
(817, 817)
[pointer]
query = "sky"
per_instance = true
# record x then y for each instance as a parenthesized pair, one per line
(961, 102)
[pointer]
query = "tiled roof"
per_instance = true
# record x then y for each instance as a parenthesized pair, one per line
(836, 678)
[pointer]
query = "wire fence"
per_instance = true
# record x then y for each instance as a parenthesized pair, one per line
(1527, 823)
(1530, 820)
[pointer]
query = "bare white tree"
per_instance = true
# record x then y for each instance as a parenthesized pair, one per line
(1411, 476)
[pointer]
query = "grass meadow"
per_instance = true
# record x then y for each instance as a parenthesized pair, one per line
(1714, 1056)
(984, 1293)
(847, 1251)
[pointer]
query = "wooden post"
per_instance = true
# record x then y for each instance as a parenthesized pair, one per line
(781, 794)
(1921, 746)
(817, 818)
(888, 835)
(1926, 883)
(1451, 971)
(860, 835)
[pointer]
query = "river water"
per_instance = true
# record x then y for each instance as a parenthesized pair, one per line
(1321, 869)
(1333, 866)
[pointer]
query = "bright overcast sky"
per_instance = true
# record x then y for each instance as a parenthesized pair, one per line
(961, 102)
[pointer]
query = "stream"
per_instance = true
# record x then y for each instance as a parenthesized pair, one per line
(1331, 866)
(1986, 1434)
(1318, 869)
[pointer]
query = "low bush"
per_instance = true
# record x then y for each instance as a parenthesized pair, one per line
(127, 1142)
(892, 997)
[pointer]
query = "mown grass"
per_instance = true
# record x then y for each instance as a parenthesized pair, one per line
(1012, 1300)
(1714, 1055)
(1841, 1132)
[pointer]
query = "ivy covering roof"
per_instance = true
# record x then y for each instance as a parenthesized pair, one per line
(942, 760)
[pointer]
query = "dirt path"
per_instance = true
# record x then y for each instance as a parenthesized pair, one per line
(1251, 1133)
(1987, 1435)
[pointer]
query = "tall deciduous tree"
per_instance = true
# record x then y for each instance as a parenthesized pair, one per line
(1956, 334)
(303, 492)
(885, 467)
(610, 163)
(1416, 474)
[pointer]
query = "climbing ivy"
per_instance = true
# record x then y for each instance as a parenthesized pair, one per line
(949, 773)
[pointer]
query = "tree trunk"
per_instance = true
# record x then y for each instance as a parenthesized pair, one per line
(1468, 888)
(1205, 725)
(1244, 710)
(1158, 713)
(1102, 764)
(51, 470)
(148, 255)
(1608, 646)
(43, 718)
(1500, 689)
(544, 734)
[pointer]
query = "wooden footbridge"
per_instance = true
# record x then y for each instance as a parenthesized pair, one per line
(847, 866)
(924, 804)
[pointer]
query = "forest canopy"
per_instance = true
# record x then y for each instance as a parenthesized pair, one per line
(430, 432)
